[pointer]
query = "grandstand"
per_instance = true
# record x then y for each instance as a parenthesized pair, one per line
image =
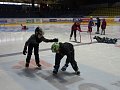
(58, 8)
(108, 11)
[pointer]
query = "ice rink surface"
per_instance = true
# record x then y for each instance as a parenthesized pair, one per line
(99, 63)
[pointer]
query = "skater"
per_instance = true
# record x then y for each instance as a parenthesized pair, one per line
(105, 40)
(62, 49)
(99, 39)
(98, 25)
(33, 42)
(74, 28)
(24, 27)
(103, 27)
(90, 24)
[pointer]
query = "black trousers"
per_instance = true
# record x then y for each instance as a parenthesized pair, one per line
(36, 53)
(98, 28)
(70, 59)
(73, 31)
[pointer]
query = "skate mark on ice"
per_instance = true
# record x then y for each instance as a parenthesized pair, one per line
(117, 84)
(61, 80)
(41, 50)
(90, 86)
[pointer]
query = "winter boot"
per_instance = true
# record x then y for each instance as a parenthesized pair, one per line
(77, 72)
(75, 40)
(63, 68)
(39, 65)
(55, 71)
(27, 65)
(97, 32)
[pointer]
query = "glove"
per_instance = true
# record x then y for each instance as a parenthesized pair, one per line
(55, 40)
(80, 30)
(24, 51)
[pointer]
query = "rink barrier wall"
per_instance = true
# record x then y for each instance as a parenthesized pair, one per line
(18, 21)
(17, 36)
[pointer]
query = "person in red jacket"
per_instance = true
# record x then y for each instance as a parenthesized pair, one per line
(103, 27)
(74, 28)
(24, 27)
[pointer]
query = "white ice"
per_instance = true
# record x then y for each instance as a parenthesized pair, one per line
(99, 63)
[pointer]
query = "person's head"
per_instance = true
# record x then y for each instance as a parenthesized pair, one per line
(39, 32)
(77, 23)
(97, 18)
(91, 17)
(55, 47)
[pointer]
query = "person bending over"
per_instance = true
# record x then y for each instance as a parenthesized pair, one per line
(62, 49)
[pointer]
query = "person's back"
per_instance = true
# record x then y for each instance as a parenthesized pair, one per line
(66, 48)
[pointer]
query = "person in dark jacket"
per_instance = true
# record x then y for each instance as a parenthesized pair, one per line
(33, 42)
(74, 28)
(62, 49)
(105, 40)
(98, 25)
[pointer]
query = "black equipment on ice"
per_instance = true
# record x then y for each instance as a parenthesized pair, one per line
(105, 40)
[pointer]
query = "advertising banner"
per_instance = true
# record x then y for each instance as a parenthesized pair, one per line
(30, 20)
(19, 20)
(45, 20)
(117, 19)
(110, 20)
(53, 20)
(38, 20)
(3, 21)
(11, 21)
(64, 19)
